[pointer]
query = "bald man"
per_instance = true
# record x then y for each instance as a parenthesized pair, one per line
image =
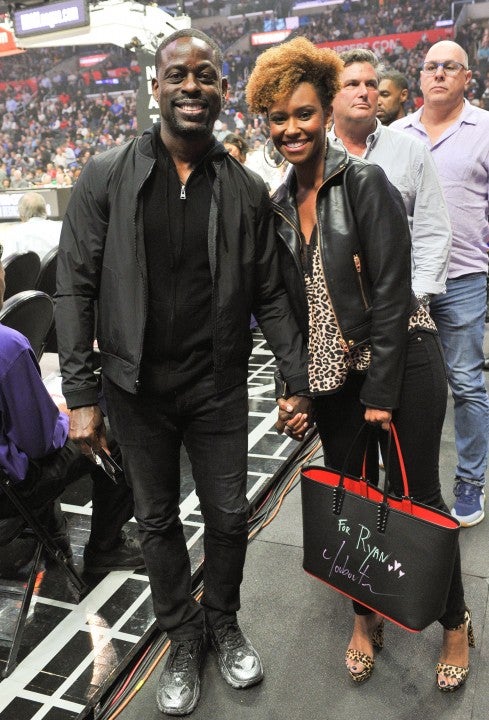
(457, 134)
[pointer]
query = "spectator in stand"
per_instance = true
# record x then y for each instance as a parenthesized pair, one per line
(17, 180)
(236, 146)
(393, 95)
(35, 231)
(483, 51)
(457, 134)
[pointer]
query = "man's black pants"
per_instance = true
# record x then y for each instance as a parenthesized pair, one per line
(150, 431)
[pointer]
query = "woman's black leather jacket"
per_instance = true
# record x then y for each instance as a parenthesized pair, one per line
(365, 248)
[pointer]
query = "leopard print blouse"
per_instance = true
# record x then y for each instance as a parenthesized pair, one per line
(329, 365)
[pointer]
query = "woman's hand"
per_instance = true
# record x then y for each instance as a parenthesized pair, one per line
(294, 416)
(373, 416)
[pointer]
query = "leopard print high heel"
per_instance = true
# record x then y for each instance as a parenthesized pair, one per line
(360, 657)
(455, 671)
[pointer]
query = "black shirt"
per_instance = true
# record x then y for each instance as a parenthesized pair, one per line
(178, 337)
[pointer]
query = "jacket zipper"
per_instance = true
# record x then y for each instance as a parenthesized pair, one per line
(296, 230)
(344, 345)
(358, 268)
(137, 383)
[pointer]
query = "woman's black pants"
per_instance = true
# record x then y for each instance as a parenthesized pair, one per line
(418, 421)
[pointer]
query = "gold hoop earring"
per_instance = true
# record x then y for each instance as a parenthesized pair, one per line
(266, 156)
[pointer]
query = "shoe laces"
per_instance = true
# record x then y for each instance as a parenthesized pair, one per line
(182, 653)
(466, 491)
(230, 636)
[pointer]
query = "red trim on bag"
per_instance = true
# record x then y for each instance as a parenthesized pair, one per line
(359, 486)
(387, 617)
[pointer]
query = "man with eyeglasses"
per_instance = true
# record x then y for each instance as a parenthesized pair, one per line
(457, 134)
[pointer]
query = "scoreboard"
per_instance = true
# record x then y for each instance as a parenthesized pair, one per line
(52, 17)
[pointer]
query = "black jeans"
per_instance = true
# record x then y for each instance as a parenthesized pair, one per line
(213, 428)
(112, 505)
(419, 422)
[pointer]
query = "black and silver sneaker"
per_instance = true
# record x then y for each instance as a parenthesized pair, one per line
(178, 688)
(239, 663)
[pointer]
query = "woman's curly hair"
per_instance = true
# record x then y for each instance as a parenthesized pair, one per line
(279, 70)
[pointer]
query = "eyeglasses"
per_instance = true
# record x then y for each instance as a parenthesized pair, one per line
(450, 67)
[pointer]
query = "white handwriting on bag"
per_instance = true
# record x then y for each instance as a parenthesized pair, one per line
(340, 561)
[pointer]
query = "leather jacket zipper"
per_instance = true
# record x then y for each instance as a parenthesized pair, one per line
(358, 268)
(277, 208)
(344, 345)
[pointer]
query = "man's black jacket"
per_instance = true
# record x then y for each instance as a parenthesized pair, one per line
(102, 273)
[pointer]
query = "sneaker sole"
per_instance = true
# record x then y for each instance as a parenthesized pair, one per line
(464, 523)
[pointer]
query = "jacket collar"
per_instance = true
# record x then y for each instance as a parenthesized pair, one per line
(147, 143)
(337, 159)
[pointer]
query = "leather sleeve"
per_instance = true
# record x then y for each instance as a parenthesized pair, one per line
(272, 307)
(385, 240)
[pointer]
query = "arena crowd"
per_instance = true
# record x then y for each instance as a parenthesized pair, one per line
(55, 113)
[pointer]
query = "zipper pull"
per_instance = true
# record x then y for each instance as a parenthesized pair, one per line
(356, 260)
(182, 193)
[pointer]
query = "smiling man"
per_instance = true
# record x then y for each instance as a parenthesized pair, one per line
(457, 135)
(171, 239)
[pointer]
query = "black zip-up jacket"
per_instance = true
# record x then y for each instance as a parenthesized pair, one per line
(102, 272)
(365, 249)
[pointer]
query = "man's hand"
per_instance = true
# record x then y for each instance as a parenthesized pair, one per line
(87, 429)
(294, 416)
(373, 416)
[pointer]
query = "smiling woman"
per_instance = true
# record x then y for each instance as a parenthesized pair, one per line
(374, 354)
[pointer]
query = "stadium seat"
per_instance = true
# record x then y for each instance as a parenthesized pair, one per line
(21, 272)
(31, 313)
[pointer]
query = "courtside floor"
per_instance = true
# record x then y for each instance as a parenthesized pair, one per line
(300, 626)
(301, 629)
(72, 651)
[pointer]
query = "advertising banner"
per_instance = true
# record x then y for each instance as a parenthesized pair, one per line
(387, 43)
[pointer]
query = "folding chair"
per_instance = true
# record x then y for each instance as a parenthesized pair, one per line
(10, 529)
(31, 313)
(21, 272)
(46, 282)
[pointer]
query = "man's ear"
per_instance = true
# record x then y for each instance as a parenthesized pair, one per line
(404, 95)
(154, 88)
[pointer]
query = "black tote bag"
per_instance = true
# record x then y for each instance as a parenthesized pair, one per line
(391, 554)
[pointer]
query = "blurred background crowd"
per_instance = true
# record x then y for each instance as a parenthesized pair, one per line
(56, 111)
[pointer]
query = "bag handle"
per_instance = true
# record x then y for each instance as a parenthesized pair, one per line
(392, 436)
(383, 508)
